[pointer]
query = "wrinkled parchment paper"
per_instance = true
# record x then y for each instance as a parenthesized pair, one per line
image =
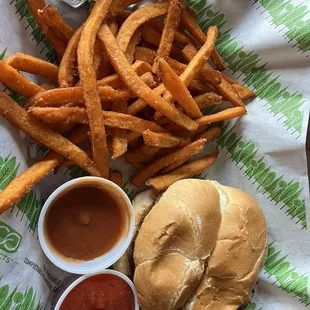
(265, 45)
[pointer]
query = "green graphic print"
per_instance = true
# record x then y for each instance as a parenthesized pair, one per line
(282, 104)
(285, 275)
(30, 206)
(283, 192)
(10, 239)
(292, 17)
(19, 300)
(36, 34)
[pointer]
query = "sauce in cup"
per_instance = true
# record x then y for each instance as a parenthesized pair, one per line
(103, 291)
(85, 221)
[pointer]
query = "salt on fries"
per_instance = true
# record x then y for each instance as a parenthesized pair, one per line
(135, 84)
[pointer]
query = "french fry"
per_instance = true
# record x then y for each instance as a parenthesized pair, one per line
(148, 55)
(184, 153)
(178, 36)
(196, 167)
(199, 87)
(171, 24)
(210, 134)
(134, 83)
(153, 37)
(162, 140)
(224, 88)
(67, 68)
(178, 90)
(22, 184)
(207, 100)
(61, 96)
(130, 51)
(59, 45)
(243, 92)
(197, 62)
(88, 79)
(115, 81)
(139, 166)
(147, 149)
(33, 65)
(35, 129)
(119, 5)
(221, 116)
(116, 177)
(79, 115)
(119, 143)
(137, 19)
(54, 21)
(11, 78)
(193, 28)
(113, 25)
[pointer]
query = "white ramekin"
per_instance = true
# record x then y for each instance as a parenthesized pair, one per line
(81, 279)
(98, 263)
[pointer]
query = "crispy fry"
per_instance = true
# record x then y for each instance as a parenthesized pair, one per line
(21, 185)
(148, 55)
(224, 88)
(133, 82)
(119, 5)
(119, 143)
(33, 65)
(67, 68)
(153, 37)
(161, 140)
(111, 119)
(193, 28)
(139, 166)
(184, 153)
(113, 25)
(147, 149)
(60, 96)
(116, 177)
(197, 62)
(35, 129)
(115, 81)
(243, 92)
(178, 90)
(55, 22)
(59, 45)
(199, 87)
(208, 99)
(221, 116)
(210, 134)
(137, 19)
(11, 78)
(130, 51)
(171, 24)
(89, 83)
(196, 167)
(178, 36)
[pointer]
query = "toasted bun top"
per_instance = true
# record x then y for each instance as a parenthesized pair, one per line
(188, 254)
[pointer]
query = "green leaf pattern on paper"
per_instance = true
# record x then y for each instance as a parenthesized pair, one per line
(286, 276)
(19, 300)
(283, 104)
(286, 194)
(290, 15)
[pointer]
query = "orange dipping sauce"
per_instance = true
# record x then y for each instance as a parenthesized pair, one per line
(100, 292)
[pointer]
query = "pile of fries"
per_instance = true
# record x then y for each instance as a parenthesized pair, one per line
(133, 83)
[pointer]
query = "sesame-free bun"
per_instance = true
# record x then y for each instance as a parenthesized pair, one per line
(201, 246)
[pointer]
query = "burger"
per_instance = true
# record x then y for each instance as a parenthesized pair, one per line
(199, 246)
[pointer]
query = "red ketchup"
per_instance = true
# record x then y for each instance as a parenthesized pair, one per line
(99, 292)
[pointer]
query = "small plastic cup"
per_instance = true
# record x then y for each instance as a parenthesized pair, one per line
(96, 264)
(81, 279)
